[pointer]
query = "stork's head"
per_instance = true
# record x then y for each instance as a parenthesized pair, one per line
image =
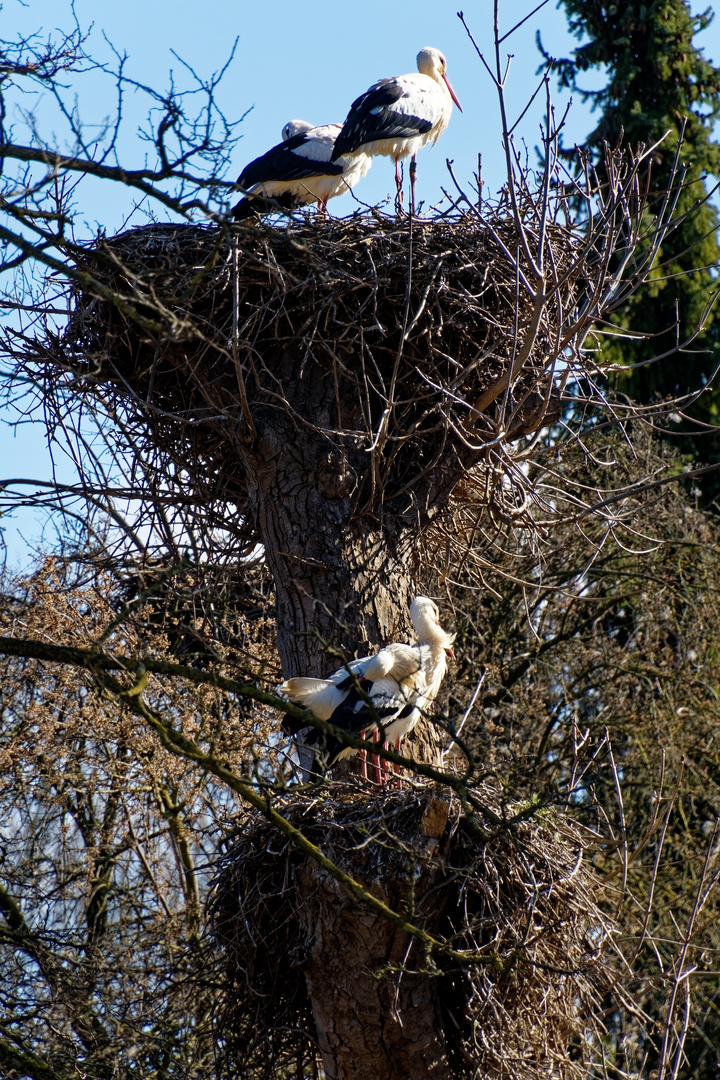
(432, 62)
(426, 622)
(295, 127)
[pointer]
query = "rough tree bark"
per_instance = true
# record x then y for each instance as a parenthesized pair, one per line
(338, 578)
(344, 574)
(380, 1028)
(345, 577)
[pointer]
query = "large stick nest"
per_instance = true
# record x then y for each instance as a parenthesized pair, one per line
(387, 342)
(519, 897)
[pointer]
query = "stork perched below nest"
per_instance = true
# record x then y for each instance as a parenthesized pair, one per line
(380, 695)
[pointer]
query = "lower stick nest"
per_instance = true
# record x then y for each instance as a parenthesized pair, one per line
(518, 900)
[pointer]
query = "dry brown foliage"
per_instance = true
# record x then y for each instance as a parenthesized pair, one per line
(107, 838)
(143, 615)
(600, 652)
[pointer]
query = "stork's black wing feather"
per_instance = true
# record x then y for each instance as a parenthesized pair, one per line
(353, 716)
(356, 716)
(291, 725)
(372, 117)
(282, 163)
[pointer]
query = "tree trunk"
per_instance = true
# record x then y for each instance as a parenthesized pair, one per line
(343, 575)
(378, 1028)
(340, 579)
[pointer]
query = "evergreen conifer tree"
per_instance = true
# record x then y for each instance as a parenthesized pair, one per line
(658, 81)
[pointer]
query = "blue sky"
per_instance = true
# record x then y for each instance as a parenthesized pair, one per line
(304, 60)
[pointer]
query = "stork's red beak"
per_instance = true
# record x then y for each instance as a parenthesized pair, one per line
(451, 652)
(452, 92)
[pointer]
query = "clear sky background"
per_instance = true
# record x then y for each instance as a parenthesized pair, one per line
(306, 60)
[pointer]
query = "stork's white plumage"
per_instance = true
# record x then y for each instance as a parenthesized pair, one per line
(398, 116)
(298, 171)
(389, 691)
(325, 696)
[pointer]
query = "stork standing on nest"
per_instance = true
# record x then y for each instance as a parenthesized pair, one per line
(384, 693)
(298, 172)
(398, 116)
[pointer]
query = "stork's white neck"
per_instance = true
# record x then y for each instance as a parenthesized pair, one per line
(424, 615)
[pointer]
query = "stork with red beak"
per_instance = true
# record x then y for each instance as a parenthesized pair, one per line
(383, 695)
(298, 171)
(398, 116)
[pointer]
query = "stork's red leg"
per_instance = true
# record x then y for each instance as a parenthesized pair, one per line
(413, 174)
(398, 183)
(376, 760)
(397, 772)
(362, 754)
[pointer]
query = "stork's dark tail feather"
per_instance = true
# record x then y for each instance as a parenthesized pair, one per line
(256, 205)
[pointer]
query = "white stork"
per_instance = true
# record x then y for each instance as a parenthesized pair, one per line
(400, 681)
(298, 171)
(398, 116)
